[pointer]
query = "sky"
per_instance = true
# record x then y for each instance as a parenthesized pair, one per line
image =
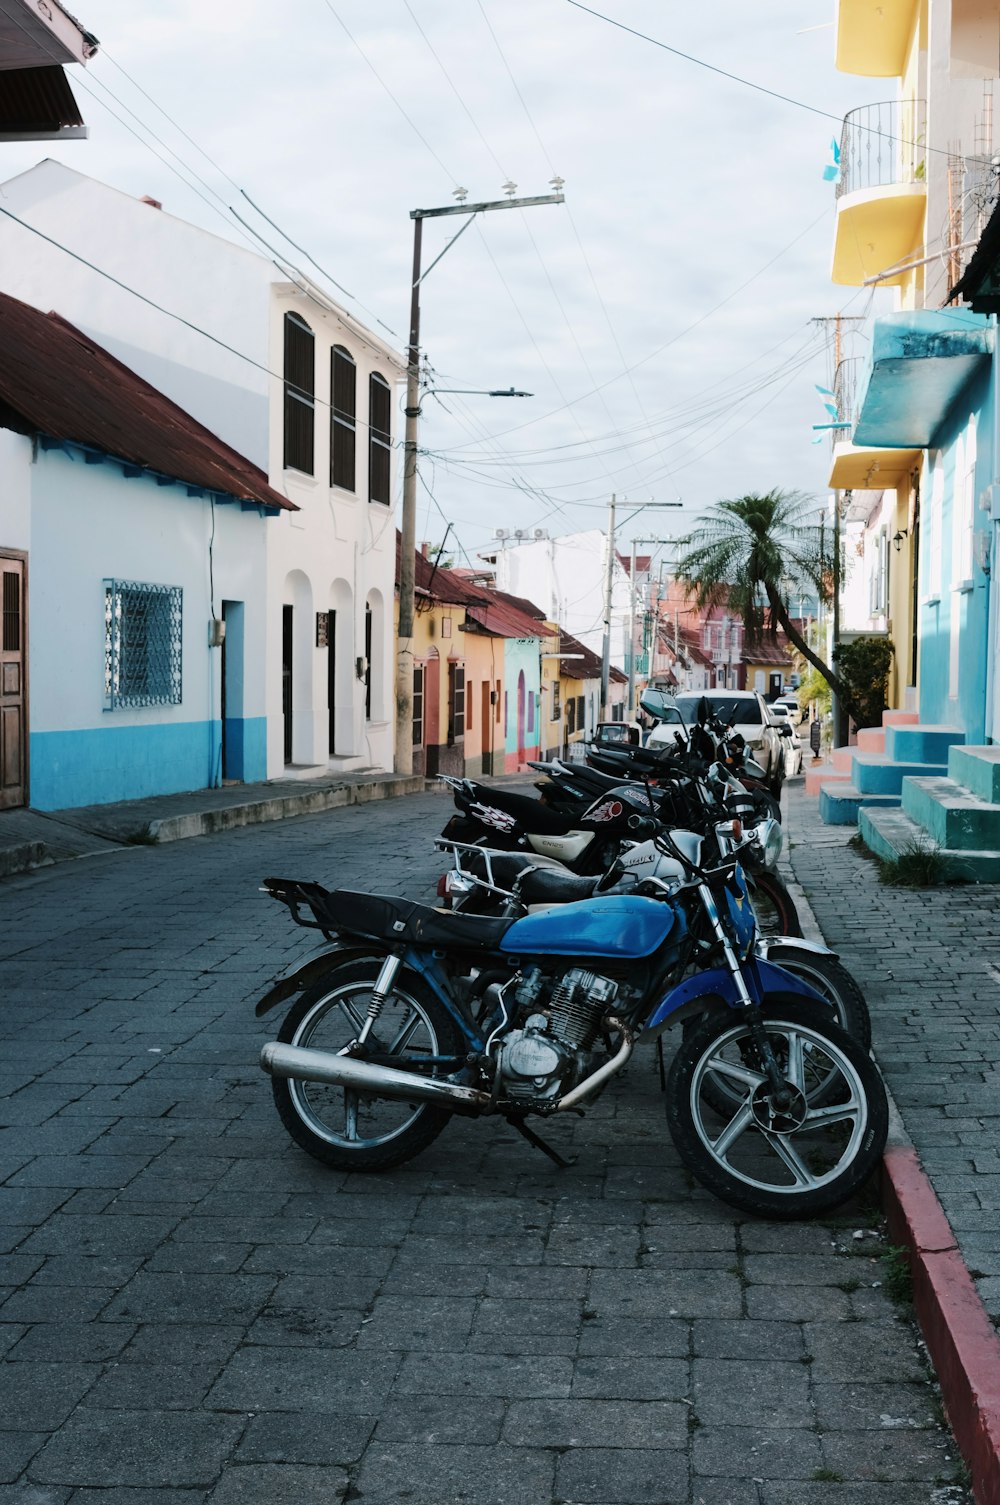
(663, 317)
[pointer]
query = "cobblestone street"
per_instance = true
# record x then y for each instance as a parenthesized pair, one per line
(191, 1309)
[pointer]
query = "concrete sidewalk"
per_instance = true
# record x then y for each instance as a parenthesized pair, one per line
(32, 838)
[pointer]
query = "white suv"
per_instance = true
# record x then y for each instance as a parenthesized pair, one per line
(746, 711)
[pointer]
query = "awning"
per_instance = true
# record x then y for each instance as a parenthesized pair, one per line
(38, 103)
(921, 360)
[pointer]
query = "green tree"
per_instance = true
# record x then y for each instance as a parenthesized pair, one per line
(756, 552)
(864, 667)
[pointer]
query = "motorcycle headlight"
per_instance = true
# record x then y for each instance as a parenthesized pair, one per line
(769, 838)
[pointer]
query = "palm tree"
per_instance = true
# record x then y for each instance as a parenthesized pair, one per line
(757, 552)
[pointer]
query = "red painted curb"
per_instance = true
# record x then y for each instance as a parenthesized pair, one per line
(960, 1338)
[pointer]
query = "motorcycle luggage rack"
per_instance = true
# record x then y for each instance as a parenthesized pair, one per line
(456, 847)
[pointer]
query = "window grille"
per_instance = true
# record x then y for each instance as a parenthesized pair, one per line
(142, 644)
(379, 438)
(300, 394)
(556, 708)
(11, 611)
(343, 418)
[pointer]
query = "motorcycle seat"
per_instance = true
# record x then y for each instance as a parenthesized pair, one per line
(544, 885)
(404, 922)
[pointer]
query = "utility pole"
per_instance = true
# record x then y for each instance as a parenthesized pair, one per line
(608, 581)
(632, 604)
(408, 518)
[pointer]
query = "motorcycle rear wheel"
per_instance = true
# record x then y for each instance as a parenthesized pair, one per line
(797, 1163)
(348, 1130)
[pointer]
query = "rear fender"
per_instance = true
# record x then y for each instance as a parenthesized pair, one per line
(301, 975)
(706, 990)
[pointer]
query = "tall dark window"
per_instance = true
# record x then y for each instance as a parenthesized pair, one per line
(343, 417)
(418, 705)
(300, 394)
(379, 438)
(456, 702)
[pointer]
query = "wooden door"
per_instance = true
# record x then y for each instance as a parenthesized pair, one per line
(487, 726)
(287, 630)
(13, 682)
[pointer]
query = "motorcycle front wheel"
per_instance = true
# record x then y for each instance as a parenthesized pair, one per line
(773, 904)
(831, 979)
(800, 1160)
(343, 1128)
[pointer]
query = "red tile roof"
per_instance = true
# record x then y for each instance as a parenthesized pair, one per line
(57, 381)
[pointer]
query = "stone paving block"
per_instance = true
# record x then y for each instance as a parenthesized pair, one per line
(411, 1474)
(286, 1437)
(305, 1327)
(755, 1452)
(666, 1338)
(100, 1236)
(653, 1294)
(442, 1420)
(727, 1492)
(829, 1492)
(39, 1396)
(516, 1375)
(538, 1282)
(279, 1484)
(165, 1297)
(141, 1387)
(334, 1380)
(798, 1303)
(16, 1451)
(527, 1317)
(888, 1456)
(886, 1353)
(744, 1393)
(596, 1423)
(852, 1406)
(456, 1280)
(606, 1476)
(179, 1258)
(632, 1378)
(73, 1342)
(138, 1448)
(177, 1343)
(742, 1339)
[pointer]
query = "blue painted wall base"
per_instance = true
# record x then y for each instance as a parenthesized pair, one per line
(102, 765)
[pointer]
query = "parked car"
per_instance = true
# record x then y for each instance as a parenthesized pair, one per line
(795, 711)
(793, 746)
(747, 712)
(616, 734)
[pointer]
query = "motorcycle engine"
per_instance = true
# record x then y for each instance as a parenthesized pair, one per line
(551, 1049)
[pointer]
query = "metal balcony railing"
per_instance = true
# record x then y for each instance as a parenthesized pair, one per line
(882, 144)
(845, 390)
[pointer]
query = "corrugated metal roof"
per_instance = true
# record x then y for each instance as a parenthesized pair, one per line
(60, 383)
(440, 584)
(503, 618)
(36, 99)
(585, 663)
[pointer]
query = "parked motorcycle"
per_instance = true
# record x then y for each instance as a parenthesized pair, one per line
(516, 883)
(409, 1015)
(590, 840)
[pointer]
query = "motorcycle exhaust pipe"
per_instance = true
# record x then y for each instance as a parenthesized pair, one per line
(363, 1076)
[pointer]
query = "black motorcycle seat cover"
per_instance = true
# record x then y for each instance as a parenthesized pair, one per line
(531, 814)
(405, 922)
(545, 885)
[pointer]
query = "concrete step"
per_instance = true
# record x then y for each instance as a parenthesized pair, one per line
(816, 778)
(841, 758)
(900, 718)
(891, 832)
(871, 739)
(880, 775)
(839, 803)
(952, 816)
(921, 742)
(978, 768)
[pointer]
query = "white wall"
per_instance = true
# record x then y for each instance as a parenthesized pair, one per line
(342, 547)
(15, 490)
(565, 577)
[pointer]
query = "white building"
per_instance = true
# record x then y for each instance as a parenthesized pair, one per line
(133, 563)
(255, 353)
(566, 578)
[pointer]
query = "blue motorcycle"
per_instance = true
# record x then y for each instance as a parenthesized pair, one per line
(408, 1015)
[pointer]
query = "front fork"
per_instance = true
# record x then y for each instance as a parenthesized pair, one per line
(780, 1093)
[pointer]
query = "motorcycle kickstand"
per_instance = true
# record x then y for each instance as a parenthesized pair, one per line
(660, 1065)
(539, 1143)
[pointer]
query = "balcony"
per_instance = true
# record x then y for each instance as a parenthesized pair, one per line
(881, 194)
(873, 36)
(858, 467)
